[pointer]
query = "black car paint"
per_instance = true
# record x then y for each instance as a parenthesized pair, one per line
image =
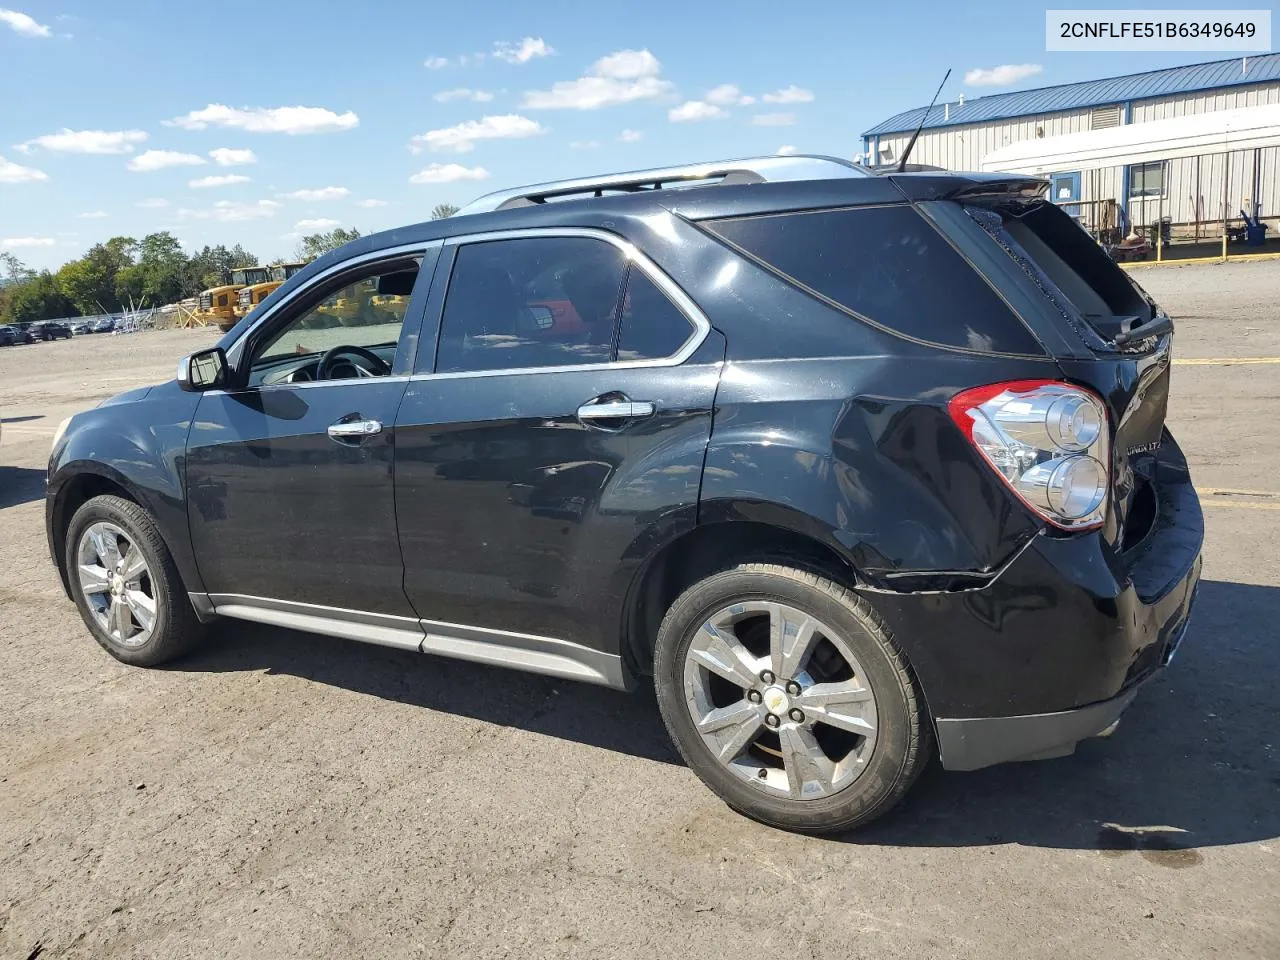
(829, 429)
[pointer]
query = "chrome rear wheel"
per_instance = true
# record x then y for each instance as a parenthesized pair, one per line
(780, 699)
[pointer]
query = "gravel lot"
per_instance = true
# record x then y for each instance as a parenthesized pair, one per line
(279, 794)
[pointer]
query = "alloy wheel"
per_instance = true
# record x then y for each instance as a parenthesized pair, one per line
(780, 700)
(116, 583)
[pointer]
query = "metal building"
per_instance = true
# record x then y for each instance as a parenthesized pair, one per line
(1194, 176)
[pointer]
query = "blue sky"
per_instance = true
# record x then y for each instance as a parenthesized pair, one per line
(115, 114)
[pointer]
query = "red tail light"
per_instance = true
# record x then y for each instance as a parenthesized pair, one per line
(1049, 441)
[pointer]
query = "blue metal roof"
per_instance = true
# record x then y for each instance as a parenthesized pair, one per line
(1090, 93)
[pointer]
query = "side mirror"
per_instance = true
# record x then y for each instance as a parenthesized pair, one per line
(203, 370)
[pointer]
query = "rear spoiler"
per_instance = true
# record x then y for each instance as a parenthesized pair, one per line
(961, 186)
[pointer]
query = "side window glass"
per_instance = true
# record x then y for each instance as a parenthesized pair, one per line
(367, 314)
(532, 302)
(652, 327)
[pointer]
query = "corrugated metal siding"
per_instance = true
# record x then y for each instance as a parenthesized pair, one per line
(1205, 102)
(1091, 93)
(964, 148)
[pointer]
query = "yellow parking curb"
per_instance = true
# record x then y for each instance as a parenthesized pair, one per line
(1234, 258)
(1221, 361)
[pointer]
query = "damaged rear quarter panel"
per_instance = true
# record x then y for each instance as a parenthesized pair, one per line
(862, 456)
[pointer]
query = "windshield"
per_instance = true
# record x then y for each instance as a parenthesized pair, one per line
(283, 271)
(249, 275)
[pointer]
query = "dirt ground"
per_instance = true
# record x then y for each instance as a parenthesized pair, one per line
(279, 794)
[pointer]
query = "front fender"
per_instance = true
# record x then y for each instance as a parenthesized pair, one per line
(139, 447)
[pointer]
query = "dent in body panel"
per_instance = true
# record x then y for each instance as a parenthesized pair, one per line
(862, 454)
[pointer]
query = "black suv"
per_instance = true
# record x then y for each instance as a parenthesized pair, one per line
(858, 468)
(48, 330)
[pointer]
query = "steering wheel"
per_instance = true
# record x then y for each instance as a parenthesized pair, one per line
(377, 367)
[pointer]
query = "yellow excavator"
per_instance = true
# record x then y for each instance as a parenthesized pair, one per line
(262, 287)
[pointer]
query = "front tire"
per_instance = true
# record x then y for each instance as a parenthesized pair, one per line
(126, 585)
(787, 696)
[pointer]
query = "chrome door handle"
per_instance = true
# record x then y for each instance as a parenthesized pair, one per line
(354, 429)
(616, 410)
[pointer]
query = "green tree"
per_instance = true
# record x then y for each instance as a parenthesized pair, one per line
(90, 282)
(212, 266)
(13, 270)
(442, 210)
(129, 284)
(164, 268)
(39, 298)
(318, 244)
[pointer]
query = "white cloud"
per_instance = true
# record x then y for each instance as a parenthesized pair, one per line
(86, 141)
(728, 95)
(371, 203)
(23, 24)
(11, 172)
(463, 93)
(159, 159)
(233, 211)
(630, 136)
(621, 77)
(223, 181)
(152, 203)
(1004, 75)
(627, 65)
(323, 193)
(229, 157)
(524, 51)
(317, 224)
(290, 120)
(449, 173)
(791, 94)
(787, 150)
(773, 120)
(461, 138)
(583, 144)
(17, 243)
(435, 63)
(93, 215)
(693, 110)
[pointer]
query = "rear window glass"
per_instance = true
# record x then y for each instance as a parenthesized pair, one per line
(886, 264)
(1051, 246)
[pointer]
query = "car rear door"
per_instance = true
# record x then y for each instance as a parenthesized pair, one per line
(563, 421)
(289, 484)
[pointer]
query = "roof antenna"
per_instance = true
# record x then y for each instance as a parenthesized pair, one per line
(902, 164)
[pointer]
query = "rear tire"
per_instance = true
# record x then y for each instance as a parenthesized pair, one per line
(786, 694)
(126, 585)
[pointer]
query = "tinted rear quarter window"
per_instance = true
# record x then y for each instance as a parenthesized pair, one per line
(652, 327)
(887, 265)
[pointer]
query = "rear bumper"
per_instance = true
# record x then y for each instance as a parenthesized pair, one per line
(970, 744)
(1053, 650)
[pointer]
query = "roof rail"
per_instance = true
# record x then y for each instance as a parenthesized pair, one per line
(747, 170)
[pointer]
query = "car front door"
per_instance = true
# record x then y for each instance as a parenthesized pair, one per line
(290, 470)
(566, 417)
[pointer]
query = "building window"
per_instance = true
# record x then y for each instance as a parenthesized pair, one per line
(1147, 179)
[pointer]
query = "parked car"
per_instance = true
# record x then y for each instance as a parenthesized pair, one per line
(80, 327)
(855, 468)
(8, 336)
(104, 325)
(52, 330)
(25, 332)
